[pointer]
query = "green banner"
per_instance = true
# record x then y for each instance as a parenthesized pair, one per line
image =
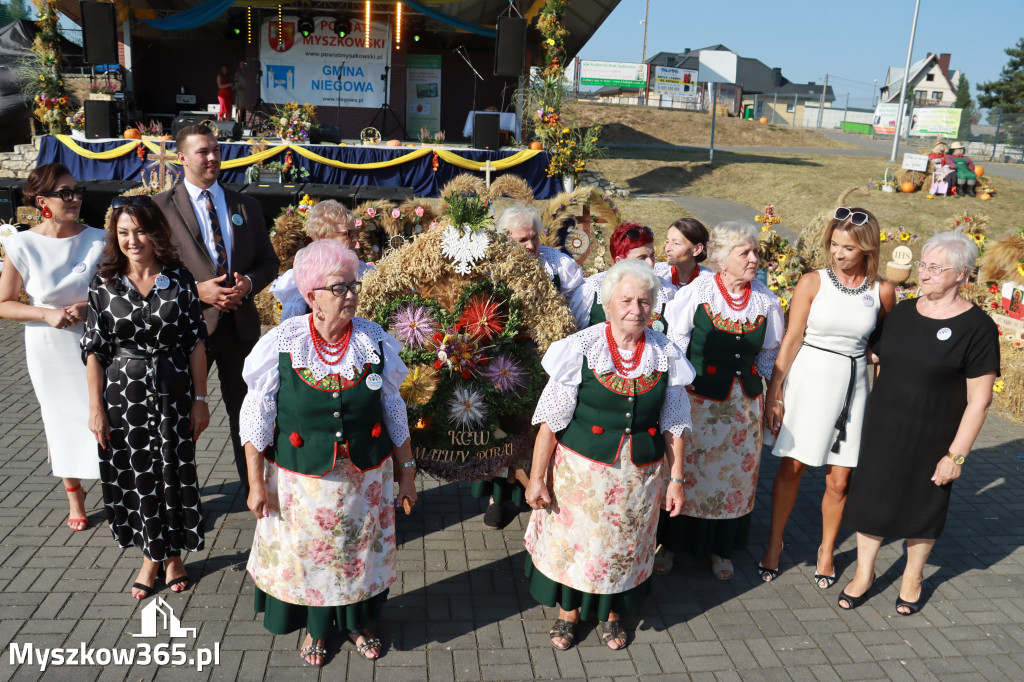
(422, 94)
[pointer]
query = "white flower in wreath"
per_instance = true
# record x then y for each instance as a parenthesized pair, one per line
(7, 230)
(466, 407)
(464, 247)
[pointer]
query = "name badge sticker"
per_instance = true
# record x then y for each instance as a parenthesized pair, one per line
(869, 300)
(658, 326)
(944, 334)
(162, 281)
(79, 268)
(374, 382)
(236, 220)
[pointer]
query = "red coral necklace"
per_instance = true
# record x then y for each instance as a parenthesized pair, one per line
(329, 353)
(693, 275)
(624, 367)
(731, 301)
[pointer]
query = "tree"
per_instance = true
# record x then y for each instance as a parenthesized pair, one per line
(966, 106)
(1006, 94)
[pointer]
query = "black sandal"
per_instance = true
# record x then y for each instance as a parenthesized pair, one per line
(563, 629)
(854, 602)
(911, 606)
(314, 650)
(610, 630)
(767, 574)
(824, 581)
(178, 581)
(370, 642)
(146, 590)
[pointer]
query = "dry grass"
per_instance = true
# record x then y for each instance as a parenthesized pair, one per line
(801, 187)
(642, 125)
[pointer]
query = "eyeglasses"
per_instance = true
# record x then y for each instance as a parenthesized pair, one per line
(856, 217)
(339, 289)
(66, 194)
(139, 201)
(933, 269)
(635, 233)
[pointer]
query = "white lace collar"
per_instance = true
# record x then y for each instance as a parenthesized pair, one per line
(549, 259)
(762, 299)
(592, 344)
(592, 285)
(293, 337)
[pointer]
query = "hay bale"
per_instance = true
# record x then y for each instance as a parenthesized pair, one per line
(1000, 260)
(915, 177)
(1010, 400)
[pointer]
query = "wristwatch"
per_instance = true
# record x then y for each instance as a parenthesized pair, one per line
(203, 399)
(957, 459)
(411, 464)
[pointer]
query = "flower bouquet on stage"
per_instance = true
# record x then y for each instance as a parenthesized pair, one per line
(474, 314)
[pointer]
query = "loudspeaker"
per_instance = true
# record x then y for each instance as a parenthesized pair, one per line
(98, 194)
(325, 133)
(10, 198)
(487, 131)
(273, 197)
(182, 120)
(229, 130)
(510, 47)
(99, 33)
(100, 119)
(379, 192)
(346, 194)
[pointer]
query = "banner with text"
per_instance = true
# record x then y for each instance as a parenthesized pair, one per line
(935, 121)
(615, 74)
(680, 83)
(423, 94)
(884, 121)
(323, 69)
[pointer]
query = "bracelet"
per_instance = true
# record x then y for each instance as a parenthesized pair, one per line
(411, 464)
(675, 480)
(780, 403)
(202, 399)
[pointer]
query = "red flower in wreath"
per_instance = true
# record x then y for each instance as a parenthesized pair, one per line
(482, 318)
(375, 431)
(295, 439)
(597, 430)
(438, 337)
(466, 374)
(993, 289)
(438, 364)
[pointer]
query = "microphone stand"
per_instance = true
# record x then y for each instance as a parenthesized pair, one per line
(461, 51)
(341, 72)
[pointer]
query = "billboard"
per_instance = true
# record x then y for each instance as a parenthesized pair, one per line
(423, 94)
(679, 83)
(615, 74)
(884, 120)
(323, 69)
(935, 121)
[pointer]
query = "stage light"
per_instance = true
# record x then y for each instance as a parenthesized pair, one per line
(340, 28)
(366, 26)
(306, 25)
(416, 37)
(280, 27)
(235, 27)
(248, 25)
(398, 25)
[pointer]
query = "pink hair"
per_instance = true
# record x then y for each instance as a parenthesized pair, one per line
(313, 264)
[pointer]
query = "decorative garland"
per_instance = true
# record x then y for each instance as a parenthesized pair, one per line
(46, 79)
(550, 26)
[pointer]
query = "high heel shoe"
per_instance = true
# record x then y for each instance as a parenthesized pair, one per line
(769, 574)
(854, 602)
(911, 606)
(71, 522)
(820, 579)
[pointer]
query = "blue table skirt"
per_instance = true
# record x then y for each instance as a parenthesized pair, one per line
(416, 174)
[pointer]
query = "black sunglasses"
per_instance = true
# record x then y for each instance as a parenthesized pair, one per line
(856, 217)
(139, 201)
(339, 289)
(66, 194)
(634, 233)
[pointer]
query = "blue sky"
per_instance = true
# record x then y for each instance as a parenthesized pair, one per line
(854, 42)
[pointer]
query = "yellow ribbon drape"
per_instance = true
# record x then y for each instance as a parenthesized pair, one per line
(242, 161)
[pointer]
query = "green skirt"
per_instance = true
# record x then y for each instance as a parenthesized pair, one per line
(703, 537)
(280, 617)
(549, 593)
(501, 490)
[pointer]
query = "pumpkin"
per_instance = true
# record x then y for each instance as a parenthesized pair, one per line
(979, 170)
(763, 119)
(166, 138)
(986, 196)
(536, 145)
(394, 143)
(132, 134)
(908, 187)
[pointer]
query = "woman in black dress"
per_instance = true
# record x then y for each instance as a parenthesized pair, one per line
(146, 366)
(939, 358)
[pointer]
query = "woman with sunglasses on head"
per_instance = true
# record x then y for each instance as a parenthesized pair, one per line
(54, 262)
(328, 219)
(325, 429)
(145, 357)
(730, 325)
(686, 245)
(821, 373)
(939, 358)
(629, 241)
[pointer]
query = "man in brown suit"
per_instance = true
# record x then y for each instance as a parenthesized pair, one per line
(222, 239)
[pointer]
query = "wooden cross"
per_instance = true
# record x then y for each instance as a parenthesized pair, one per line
(162, 158)
(486, 170)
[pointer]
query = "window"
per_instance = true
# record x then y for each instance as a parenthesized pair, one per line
(790, 108)
(937, 96)
(920, 96)
(930, 77)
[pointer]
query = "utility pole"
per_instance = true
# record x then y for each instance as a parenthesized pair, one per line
(903, 87)
(647, 14)
(821, 104)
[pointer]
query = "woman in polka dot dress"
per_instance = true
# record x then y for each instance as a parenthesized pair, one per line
(146, 364)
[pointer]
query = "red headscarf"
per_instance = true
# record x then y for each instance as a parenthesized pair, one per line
(621, 244)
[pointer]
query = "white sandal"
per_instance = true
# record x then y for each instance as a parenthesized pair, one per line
(722, 568)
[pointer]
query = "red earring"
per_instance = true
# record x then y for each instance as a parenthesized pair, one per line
(46, 213)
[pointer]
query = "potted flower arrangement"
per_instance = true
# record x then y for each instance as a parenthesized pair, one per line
(103, 90)
(76, 122)
(570, 153)
(293, 121)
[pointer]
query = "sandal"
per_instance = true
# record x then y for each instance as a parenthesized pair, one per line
(663, 560)
(369, 642)
(177, 581)
(722, 568)
(854, 602)
(767, 574)
(911, 606)
(84, 522)
(313, 650)
(563, 629)
(611, 630)
(146, 590)
(820, 579)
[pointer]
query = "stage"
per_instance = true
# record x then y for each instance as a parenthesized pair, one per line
(423, 169)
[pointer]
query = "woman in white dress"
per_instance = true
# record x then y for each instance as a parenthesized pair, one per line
(815, 403)
(55, 261)
(686, 247)
(328, 219)
(611, 417)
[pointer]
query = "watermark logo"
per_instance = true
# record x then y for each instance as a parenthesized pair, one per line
(159, 612)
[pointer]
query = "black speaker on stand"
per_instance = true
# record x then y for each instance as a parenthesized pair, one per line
(99, 33)
(10, 199)
(487, 131)
(345, 194)
(510, 47)
(182, 120)
(100, 119)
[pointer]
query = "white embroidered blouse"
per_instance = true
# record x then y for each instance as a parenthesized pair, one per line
(680, 313)
(287, 292)
(564, 364)
(261, 375)
(583, 299)
(555, 262)
(664, 272)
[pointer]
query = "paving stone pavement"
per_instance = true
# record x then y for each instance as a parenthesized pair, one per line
(460, 609)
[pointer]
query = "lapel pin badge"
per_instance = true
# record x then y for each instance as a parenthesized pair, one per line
(236, 220)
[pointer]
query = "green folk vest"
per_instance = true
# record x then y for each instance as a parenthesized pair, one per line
(724, 352)
(319, 422)
(962, 171)
(658, 323)
(610, 408)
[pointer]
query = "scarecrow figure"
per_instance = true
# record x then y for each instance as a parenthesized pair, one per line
(964, 169)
